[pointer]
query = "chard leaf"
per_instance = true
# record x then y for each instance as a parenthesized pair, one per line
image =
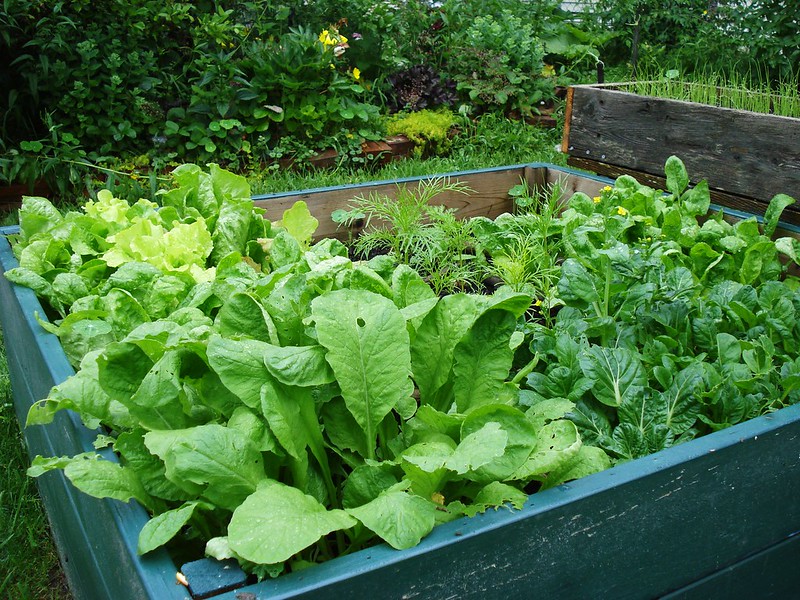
(679, 405)
(368, 349)
(482, 360)
(240, 366)
(105, 479)
(590, 459)
(398, 517)
(163, 527)
(244, 315)
(773, 213)
(221, 462)
(286, 518)
(522, 440)
(303, 366)
(617, 374)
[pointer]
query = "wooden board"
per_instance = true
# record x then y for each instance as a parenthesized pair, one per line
(489, 197)
(96, 538)
(739, 152)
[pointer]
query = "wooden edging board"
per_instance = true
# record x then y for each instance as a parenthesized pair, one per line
(642, 529)
(743, 155)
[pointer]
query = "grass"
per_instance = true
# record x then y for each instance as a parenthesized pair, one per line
(728, 92)
(491, 141)
(29, 567)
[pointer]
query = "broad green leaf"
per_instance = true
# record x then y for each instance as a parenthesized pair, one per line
(482, 360)
(681, 404)
(548, 410)
(37, 215)
(300, 223)
(368, 349)
(398, 517)
(244, 316)
(773, 213)
(522, 439)
(341, 427)
(255, 428)
(495, 495)
(697, 200)
(149, 468)
(677, 178)
(281, 405)
(303, 366)
(478, 448)
(589, 459)
(231, 228)
(409, 287)
(105, 479)
(277, 521)
(223, 462)
(163, 527)
(424, 465)
(557, 443)
(617, 374)
(366, 482)
(240, 366)
(577, 284)
(435, 342)
(756, 259)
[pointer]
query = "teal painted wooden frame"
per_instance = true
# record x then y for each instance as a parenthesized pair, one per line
(710, 514)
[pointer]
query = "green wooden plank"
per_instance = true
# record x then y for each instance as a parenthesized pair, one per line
(96, 539)
(772, 573)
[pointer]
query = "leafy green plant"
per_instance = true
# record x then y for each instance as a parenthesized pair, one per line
(430, 130)
(415, 232)
(498, 63)
(243, 391)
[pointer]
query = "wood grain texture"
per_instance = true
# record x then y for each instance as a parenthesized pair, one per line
(489, 198)
(738, 152)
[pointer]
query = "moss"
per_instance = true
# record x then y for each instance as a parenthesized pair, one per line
(430, 130)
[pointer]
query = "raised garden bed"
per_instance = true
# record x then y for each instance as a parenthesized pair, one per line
(746, 157)
(702, 519)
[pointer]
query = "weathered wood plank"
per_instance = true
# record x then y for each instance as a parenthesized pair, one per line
(738, 152)
(762, 575)
(489, 198)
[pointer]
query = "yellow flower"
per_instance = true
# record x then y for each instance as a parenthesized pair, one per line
(607, 188)
(548, 71)
(356, 73)
(596, 199)
(325, 38)
(621, 211)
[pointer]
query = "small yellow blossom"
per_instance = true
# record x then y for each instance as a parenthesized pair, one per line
(621, 211)
(607, 188)
(705, 12)
(356, 73)
(548, 71)
(596, 199)
(333, 38)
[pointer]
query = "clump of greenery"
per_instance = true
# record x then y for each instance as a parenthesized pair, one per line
(430, 130)
(417, 233)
